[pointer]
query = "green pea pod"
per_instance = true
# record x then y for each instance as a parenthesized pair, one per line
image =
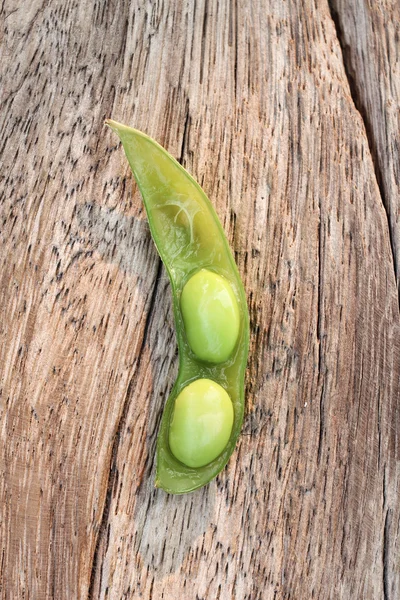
(211, 318)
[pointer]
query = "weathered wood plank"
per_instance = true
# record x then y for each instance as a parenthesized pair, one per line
(254, 99)
(369, 33)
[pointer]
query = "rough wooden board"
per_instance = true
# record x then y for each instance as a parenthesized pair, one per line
(253, 98)
(369, 33)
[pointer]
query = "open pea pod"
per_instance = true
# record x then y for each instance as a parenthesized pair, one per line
(203, 415)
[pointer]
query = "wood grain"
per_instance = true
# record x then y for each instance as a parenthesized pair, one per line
(369, 34)
(254, 100)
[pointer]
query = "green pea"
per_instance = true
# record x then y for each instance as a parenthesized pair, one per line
(201, 424)
(203, 414)
(211, 316)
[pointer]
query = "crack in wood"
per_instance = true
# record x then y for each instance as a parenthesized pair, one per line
(372, 143)
(385, 559)
(320, 335)
(151, 309)
(185, 135)
(113, 471)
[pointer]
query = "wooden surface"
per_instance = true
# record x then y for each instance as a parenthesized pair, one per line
(272, 107)
(369, 33)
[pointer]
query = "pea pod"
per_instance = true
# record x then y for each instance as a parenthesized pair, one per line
(203, 415)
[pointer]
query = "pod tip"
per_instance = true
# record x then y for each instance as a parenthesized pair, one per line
(112, 124)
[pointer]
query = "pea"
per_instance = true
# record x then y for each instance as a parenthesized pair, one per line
(203, 414)
(201, 424)
(211, 316)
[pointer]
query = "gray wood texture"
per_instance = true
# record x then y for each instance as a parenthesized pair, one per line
(254, 99)
(369, 33)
